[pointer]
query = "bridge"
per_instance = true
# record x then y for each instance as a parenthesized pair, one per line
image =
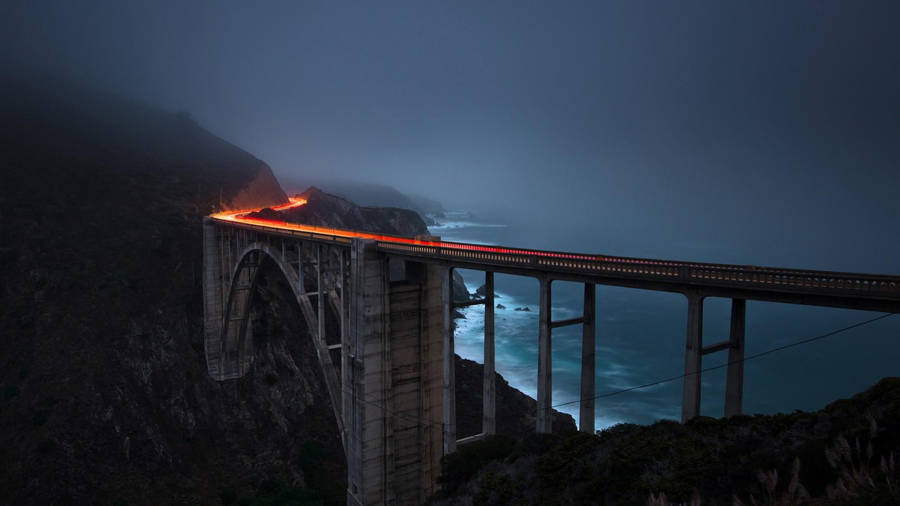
(379, 310)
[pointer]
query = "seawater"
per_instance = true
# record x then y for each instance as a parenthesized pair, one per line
(641, 334)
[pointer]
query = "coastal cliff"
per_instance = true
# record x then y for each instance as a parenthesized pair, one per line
(326, 210)
(105, 394)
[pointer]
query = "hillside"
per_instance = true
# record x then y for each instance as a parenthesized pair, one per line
(105, 395)
(845, 453)
(366, 194)
(324, 209)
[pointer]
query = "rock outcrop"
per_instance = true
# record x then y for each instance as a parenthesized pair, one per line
(325, 210)
(516, 412)
(263, 190)
(366, 194)
(460, 291)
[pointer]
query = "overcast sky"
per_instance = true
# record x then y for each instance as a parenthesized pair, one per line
(753, 123)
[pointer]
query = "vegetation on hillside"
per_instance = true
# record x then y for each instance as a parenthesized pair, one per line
(843, 454)
(104, 394)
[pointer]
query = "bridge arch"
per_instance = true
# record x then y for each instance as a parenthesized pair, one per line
(236, 353)
(232, 353)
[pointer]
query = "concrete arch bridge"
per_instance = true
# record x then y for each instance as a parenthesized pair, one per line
(389, 369)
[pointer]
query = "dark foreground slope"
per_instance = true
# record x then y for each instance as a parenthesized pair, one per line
(846, 453)
(104, 394)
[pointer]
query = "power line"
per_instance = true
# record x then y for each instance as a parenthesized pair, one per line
(672, 378)
(746, 358)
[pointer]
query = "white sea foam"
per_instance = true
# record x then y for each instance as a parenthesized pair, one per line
(516, 350)
(456, 225)
(516, 342)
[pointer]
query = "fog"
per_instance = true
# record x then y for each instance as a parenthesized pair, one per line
(771, 128)
(760, 126)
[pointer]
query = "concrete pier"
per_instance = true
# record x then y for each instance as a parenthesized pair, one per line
(449, 366)
(734, 386)
(690, 403)
(545, 362)
(368, 440)
(396, 398)
(489, 408)
(213, 312)
(588, 361)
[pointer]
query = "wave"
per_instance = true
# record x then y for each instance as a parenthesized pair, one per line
(455, 225)
(516, 350)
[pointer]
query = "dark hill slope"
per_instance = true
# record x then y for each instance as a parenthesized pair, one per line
(103, 387)
(851, 447)
(323, 209)
(69, 134)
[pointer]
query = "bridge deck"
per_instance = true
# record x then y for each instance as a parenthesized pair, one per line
(822, 288)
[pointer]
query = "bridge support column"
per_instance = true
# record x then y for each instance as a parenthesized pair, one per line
(416, 325)
(690, 403)
(449, 383)
(489, 407)
(227, 290)
(321, 297)
(213, 298)
(588, 361)
(431, 363)
(348, 365)
(734, 386)
(394, 349)
(368, 441)
(545, 362)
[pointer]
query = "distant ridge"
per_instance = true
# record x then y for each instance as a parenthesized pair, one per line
(367, 194)
(67, 124)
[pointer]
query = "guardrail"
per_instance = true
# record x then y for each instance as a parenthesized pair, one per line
(661, 270)
(669, 271)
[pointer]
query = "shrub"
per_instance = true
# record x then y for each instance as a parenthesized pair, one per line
(460, 466)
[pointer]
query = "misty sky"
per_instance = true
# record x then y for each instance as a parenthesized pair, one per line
(768, 127)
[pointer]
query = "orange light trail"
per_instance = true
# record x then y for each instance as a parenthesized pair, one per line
(758, 274)
(241, 217)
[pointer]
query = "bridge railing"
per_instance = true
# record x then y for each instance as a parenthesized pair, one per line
(667, 271)
(660, 270)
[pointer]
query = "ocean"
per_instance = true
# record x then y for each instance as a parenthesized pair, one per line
(640, 337)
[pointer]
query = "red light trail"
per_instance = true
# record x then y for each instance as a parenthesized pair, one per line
(242, 217)
(735, 273)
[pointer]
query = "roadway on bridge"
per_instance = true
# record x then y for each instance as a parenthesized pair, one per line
(243, 217)
(840, 289)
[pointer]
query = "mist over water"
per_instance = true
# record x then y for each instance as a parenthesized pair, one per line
(641, 338)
